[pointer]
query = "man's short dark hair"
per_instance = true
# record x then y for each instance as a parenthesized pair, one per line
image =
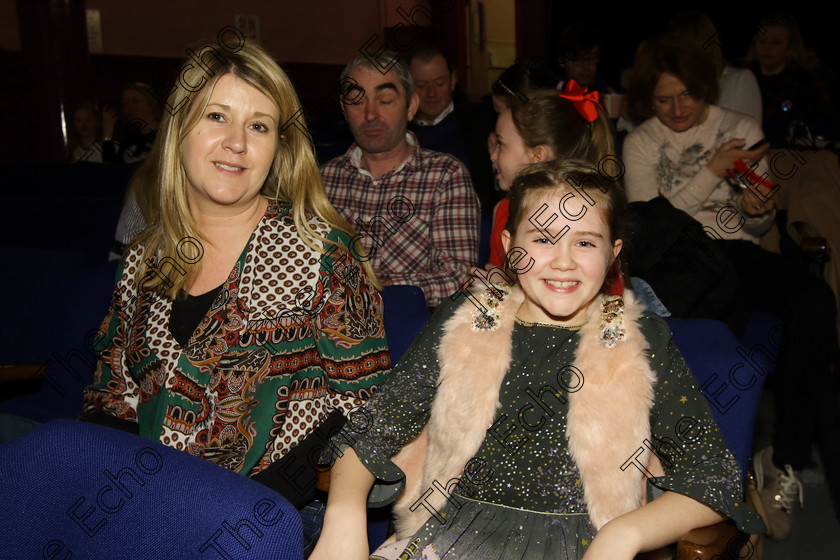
(426, 51)
(576, 40)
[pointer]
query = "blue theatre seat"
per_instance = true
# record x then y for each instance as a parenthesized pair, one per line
(405, 315)
(726, 376)
(52, 320)
(102, 494)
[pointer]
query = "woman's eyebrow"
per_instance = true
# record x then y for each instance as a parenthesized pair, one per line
(264, 115)
(256, 114)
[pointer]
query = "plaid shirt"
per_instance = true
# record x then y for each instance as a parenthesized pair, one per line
(418, 224)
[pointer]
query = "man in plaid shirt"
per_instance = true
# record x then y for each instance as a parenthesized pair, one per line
(415, 210)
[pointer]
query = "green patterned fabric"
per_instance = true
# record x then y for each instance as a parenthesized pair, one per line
(292, 336)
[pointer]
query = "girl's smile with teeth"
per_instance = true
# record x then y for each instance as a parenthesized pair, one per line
(562, 283)
(570, 260)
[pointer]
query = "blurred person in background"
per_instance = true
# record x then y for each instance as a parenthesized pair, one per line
(579, 52)
(128, 136)
(737, 87)
(84, 132)
(797, 106)
(446, 121)
(684, 153)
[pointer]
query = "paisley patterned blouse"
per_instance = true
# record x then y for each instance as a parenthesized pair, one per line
(292, 336)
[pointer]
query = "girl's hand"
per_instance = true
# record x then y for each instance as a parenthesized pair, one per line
(612, 542)
(345, 521)
(729, 152)
(349, 545)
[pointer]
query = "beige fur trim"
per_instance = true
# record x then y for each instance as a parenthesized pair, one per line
(609, 417)
(473, 365)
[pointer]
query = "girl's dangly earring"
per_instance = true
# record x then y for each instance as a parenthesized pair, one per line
(612, 320)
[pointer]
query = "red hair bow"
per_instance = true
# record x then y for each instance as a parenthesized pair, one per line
(585, 103)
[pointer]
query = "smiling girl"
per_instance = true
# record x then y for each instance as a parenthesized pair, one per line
(515, 425)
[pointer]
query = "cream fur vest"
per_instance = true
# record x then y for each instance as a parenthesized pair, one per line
(608, 416)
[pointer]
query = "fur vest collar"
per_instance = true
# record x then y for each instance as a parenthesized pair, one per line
(608, 416)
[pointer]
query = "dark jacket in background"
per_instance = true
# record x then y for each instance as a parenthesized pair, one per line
(463, 134)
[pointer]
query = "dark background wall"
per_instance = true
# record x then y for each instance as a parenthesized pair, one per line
(623, 28)
(44, 64)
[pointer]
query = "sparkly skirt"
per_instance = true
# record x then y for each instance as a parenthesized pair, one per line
(482, 530)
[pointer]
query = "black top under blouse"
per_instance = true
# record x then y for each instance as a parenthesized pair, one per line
(188, 313)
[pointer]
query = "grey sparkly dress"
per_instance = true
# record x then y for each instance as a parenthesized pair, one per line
(532, 506)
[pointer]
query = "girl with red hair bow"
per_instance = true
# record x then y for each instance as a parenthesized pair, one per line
(541, 125)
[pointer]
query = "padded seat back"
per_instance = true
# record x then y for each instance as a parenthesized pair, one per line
(726, 376)
(55, 309)
(102, 494)
(405, 315)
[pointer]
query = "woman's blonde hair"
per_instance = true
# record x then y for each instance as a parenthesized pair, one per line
(161, 183)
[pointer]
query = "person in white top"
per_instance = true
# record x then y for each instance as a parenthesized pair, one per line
(684, 156)
(684, 152)
(738, 88)
(739, 91)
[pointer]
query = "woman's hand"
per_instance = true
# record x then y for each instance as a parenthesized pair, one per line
(726, 156)
(752, 205)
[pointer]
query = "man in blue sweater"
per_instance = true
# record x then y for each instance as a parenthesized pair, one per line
(448, 122)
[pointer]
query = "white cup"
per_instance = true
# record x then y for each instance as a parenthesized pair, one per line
(612, 104)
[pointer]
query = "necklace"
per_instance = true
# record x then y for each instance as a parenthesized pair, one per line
(552, 325)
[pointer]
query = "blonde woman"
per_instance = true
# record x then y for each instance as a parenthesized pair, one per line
(240, 322)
